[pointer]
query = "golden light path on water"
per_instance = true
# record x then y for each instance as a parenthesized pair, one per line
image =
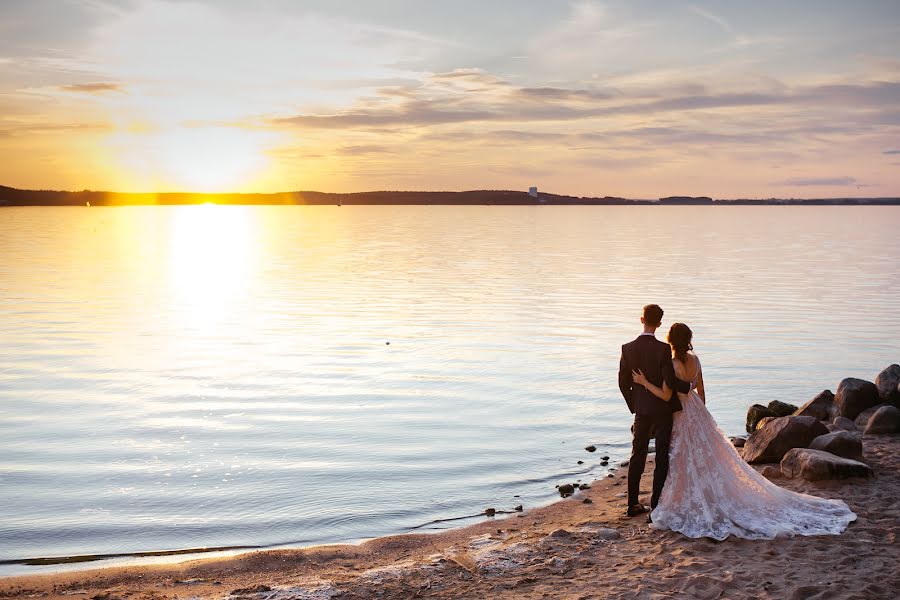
(212, 254)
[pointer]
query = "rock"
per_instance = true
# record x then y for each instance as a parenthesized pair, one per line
(764, 421)
(580, 462)
(260, 589)
(816, 465)
(820, 407)
(518, 508)
(888, 384)
(854, 396)
(587, 501)
(754, 414)
(490, 512)
(862, 419)
(771, 472)
(607, 533)
(885, 420)
(844, 424)
(566, 489)
(604, 463)
(560, 533)
(584, 486)
(604, 458)
(738, 441)
(782, 409)
(192, 581)
(840, 443)
(591, 448)
(772, 442)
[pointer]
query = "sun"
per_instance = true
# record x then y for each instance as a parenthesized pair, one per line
(201, 159)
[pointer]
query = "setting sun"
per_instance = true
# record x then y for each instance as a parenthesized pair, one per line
(195, 159)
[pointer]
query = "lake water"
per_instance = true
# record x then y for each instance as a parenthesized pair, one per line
(209, 376)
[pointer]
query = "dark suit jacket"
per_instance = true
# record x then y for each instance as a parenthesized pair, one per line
(654, 359)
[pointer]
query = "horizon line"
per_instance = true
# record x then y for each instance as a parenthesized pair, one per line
(423, 191)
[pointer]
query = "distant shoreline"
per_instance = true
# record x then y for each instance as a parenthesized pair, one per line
(16, 197)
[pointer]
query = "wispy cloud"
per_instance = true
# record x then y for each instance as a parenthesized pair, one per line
(92, 88)
(821, 182)
(891, 152)
(725, 25)
(506, 103)
(363, 149)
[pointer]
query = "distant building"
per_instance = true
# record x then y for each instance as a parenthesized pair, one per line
(532, 191)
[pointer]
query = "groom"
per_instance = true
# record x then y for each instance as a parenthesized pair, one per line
(652, 416)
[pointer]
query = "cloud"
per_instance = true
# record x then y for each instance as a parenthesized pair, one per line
(821, 181)
(40, 128)
(478, 76)
(428, 105)
(363, 149)
(725, 25)
(92, 88)
(555, 93)
(418, 112)
(891, 152)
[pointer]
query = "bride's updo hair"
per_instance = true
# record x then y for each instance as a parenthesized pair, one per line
(680, 336)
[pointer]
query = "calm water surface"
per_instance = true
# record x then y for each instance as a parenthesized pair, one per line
(206, 376)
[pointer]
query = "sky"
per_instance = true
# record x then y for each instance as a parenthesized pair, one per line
(641, 98)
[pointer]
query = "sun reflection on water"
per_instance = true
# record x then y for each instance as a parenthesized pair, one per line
(212, 250)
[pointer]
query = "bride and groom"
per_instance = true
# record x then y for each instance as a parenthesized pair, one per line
(701, 485)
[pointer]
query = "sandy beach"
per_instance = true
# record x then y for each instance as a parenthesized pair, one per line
(578, 548)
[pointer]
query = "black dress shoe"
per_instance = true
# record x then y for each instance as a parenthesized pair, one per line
(636, 509)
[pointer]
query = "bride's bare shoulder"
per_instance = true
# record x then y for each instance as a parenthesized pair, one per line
(689, 368)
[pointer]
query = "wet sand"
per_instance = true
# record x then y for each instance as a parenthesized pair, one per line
(570, 550)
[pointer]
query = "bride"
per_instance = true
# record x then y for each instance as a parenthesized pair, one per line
(710, 491)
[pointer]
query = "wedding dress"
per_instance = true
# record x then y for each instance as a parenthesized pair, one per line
(711, 492)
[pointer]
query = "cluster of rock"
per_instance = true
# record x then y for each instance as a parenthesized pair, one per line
(823, 438)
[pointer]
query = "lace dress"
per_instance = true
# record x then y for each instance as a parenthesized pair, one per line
(711, 492)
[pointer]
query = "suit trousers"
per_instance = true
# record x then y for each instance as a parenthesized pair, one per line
(644, 426)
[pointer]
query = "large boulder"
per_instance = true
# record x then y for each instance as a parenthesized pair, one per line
(862, 419)
(839, 443)
(771, 443)
(781, 409)
(819, 407)
(756, 413)
(764, 421)
(888, 384)
(854, 396)
(843, 423)
(816, 465)
(885, 420)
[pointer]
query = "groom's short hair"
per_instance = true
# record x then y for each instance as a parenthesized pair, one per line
(653, 315)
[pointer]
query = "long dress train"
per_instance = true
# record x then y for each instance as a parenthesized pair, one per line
(712, 492)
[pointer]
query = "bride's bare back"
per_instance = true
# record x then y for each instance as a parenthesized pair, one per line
(690, 370)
